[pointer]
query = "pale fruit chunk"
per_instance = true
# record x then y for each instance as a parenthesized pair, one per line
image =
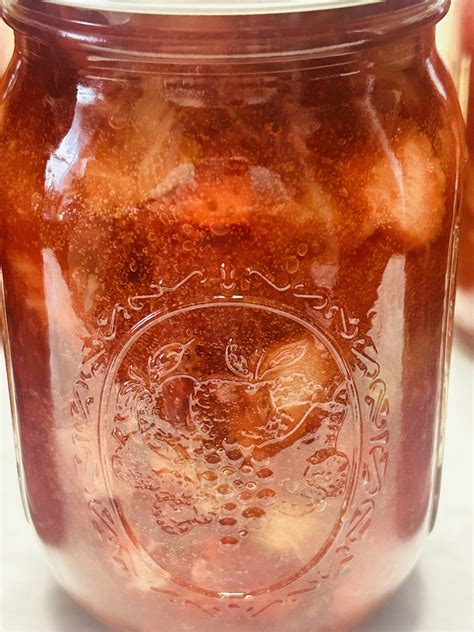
(63, 322)
(406, 190)
(298, 371)
(226, 193)
(328, 202)
(219, 196)
(45, 293)
(28, 277)
(133, 149)
(288, 535)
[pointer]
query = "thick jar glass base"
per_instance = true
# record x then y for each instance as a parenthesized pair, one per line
(128, 612)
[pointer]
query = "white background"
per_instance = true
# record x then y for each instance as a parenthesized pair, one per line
(436, 598)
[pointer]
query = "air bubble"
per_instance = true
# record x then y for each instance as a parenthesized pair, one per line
(187, 246)
(133, 266)
(219, 230)
(275, 129)
(36, 200)
(303, 250)
(292, 265)
(119, 119)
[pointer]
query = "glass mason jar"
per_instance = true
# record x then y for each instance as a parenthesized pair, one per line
(228, 244)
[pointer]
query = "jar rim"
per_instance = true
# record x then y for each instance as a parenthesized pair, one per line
(332, 31)
(212, 7)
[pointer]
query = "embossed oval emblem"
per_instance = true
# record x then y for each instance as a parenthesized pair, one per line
(229, 440)
(217, 432)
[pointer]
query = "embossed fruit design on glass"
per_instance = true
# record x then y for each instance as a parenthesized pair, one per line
(227, 255)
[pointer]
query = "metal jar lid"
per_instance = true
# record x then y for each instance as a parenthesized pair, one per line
(212, 7)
